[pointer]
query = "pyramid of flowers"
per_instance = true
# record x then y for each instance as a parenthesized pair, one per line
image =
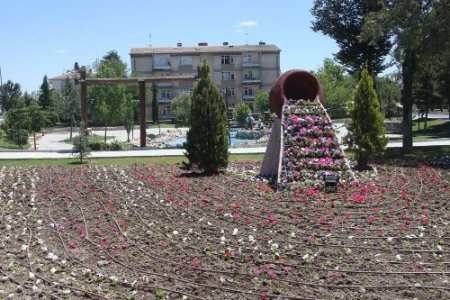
(310, 147)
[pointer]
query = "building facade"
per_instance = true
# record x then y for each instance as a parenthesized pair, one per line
(239, 71)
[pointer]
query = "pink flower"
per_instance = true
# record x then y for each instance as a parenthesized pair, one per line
(124, 244)
(73, 245)
(273, 220)
(196, 264)
(104, 243)
(264, 294)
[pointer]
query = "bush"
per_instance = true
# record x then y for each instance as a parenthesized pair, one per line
(99, 146)
(18, 136)
(241, 111)
(117, 146)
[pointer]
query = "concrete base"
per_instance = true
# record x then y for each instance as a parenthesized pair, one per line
(271, 165)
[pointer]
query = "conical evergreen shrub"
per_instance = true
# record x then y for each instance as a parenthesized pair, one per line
(207, 139)
(366, 127)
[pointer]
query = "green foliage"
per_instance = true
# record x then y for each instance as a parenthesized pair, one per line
(207, 140)
(337, 87)
(45, 100)
(108, 102)
(389, 93)
(155, 110)
(9, 93)
(262, 101)
(80, 144)
(343, 21)
(18, 136)
(181, 108)
(241, 111)
(367, 123)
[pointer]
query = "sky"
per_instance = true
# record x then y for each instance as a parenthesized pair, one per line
(47, 37)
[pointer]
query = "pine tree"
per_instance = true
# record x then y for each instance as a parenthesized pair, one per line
(367, 123)
(45, 100)
(207, 139)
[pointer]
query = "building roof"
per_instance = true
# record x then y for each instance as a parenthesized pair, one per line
(70, 75)
(205, 49)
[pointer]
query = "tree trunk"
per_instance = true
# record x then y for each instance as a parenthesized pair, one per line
(426, 121)
(363, 159)
(408, 66)
(34, 139)
(71, 126)
(105, 132)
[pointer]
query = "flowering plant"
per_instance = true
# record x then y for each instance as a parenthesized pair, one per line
(310, 146)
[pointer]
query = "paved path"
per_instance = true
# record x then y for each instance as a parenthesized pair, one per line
(50, 146)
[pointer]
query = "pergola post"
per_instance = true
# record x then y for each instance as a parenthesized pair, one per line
(142, 123)
(84, 101)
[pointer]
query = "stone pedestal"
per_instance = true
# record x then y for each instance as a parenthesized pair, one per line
(271, 165)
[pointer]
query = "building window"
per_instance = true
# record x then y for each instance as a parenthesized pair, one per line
(226, 60)
(186, 61)
(247, 59)
(165, 94)
(227, 75)
(248, 91)
(230, 91)
(165, 110)
(248, 75)
(162, 61)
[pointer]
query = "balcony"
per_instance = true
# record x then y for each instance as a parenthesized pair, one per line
(250, 64)
(162, 67)
(251, 80)
(248, 97)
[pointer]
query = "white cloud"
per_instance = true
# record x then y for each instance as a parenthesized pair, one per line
(241, 26)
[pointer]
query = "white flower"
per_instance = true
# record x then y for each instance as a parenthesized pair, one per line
(351, 237)
(24, 248)
(222, 239)
(53, 270)
(347, 251)
(235, 231)
(35, 289)
(292, 234)
(251, 239)
(190, 230)
(398, 257)
(40, 241)
(8, 227)
(305, 257)
(66, 291)
(439, 247)
(275, 246)
(113, 278)
(31, 275)
(390, 239)
(175, 232)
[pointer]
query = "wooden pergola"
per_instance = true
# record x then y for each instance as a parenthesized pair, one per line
(141, 81)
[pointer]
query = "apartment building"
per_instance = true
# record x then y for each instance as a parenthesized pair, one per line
(239, 71)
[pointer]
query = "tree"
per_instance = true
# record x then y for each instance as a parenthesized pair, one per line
(45, 100)
(72, 103)
(337, 87)
(181, 108)
(367, 123)
(262, 101)
(108, 102)
(389, 92)
(241, 111)
(409, 23)
(343, 20)
(128, 116)
(9, 93)
(155, 112)
(16, 122)
(81, 144)
(207, 139)
(36, 120)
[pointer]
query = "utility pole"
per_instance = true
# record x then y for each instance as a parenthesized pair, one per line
(1, 78)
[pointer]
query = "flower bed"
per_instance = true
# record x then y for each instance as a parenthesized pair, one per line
(310, 146)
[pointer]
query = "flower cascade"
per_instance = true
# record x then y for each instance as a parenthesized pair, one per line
(310, 147)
